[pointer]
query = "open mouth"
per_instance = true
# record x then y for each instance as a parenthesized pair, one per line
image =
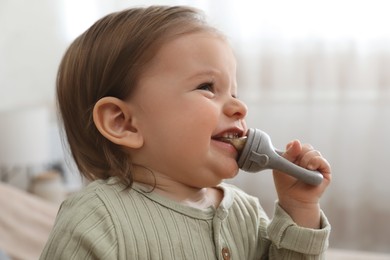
(234, 139)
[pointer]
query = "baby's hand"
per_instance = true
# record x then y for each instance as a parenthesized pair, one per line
(294, 195)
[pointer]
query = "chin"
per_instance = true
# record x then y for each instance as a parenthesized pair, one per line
(219, 178)
(230, 172)
(233, 175)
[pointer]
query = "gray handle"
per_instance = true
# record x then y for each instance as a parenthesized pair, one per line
(259, 154)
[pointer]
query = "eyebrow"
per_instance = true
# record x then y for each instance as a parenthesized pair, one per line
(208, 72)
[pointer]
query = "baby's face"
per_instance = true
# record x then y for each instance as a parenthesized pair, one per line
(185, 101)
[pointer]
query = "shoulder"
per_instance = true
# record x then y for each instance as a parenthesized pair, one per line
(85, 225)
(102, 200)
(92, 198)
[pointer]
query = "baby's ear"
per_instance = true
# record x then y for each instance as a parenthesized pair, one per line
(114, 120)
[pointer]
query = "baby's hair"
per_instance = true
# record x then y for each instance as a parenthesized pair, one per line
(108, 60)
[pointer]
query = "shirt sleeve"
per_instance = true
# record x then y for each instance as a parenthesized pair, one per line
(290, 241)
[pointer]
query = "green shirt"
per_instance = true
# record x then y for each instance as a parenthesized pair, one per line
(108, 221)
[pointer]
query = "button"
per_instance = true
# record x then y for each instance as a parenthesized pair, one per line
(225, 253)
(222, 213)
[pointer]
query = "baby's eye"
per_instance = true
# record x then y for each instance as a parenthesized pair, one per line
(209, 86)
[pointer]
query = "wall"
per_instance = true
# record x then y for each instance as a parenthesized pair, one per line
(30, 49)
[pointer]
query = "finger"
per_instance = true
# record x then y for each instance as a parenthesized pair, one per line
(293, 150)
(320, 164)
(306, 148)
(307, 156)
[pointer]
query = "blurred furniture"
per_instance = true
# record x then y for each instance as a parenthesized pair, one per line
(25, 222)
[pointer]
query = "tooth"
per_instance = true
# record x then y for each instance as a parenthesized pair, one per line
(230, 135)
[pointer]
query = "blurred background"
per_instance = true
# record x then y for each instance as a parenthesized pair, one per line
(313, 70)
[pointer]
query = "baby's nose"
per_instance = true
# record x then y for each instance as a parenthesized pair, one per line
(235, 108)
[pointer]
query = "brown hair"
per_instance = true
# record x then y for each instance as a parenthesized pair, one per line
(107, 60)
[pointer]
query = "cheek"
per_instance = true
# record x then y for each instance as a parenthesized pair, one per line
(200, 123)
(191, 131)
(195, 117)
(189, 123)
(204, 114)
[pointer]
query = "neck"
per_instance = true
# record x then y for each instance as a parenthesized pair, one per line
(195, 197)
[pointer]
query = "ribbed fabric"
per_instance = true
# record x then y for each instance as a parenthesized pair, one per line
(107, 221)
